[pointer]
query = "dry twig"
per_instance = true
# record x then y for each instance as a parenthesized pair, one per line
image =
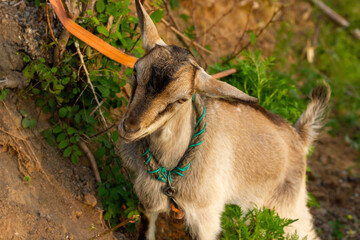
(110, 23)
(113, 30)
(335, 17)
(259, 33)
(224, 73)
(49, 23)
(89, 81)
(122, 224)
(183, 36)
(92, 159)
(168, 12)
(219, 19)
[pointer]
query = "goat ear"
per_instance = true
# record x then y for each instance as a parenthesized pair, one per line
(149, 33)
(206, 84)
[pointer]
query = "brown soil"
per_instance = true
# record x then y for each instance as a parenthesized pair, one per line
(42, 194)
(334, 181)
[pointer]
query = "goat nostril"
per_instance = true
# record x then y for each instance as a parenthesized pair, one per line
(129, 127)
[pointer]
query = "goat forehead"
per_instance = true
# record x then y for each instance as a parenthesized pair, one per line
(162, 65)
(162, 56)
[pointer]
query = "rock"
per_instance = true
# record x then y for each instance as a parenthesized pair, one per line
(12, 79)
(77, 214)
(90, 200)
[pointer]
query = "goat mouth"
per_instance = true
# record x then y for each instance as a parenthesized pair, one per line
(130, 136)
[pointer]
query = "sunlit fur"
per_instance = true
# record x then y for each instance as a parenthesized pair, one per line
(249, 157)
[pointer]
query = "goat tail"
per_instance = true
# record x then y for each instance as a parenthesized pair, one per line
(312, 120)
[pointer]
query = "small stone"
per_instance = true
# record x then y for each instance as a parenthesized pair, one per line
(90, 200)
(69, 236)
(77, 214)
(22, 5)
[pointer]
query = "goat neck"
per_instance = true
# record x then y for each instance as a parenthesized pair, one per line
(170, 142)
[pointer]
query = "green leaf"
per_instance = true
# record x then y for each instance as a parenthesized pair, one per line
(100, 6)
(73, 140)
(35, 91)
(103, 30)
(74, 159)
(184, 17)
(100, 152)
(77, 118)
(174, 4)
(61, 137)
(104, 91)
(65, 80)
(115, 136)
(63, 144)
(26, 59)
(157, 15)
(23, 113)
(33, 123)
(67, 152)
(49, 137)
(102, 191)
(107, 216)
(253, 38)
(54, 70)
(95, 20)
(25, 123)
(51, 103)
(57, 129)
(71, 130)
(3, 93)
(89, 12)
(62, 112)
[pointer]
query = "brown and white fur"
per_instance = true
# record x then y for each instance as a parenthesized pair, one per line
(249, 157)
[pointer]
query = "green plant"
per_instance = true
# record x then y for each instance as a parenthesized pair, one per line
(255, 224)
(337, 57)
(63, 93)
(337, 226)
(3, 93)
(257, 76)
(27, 179)
(27, 121)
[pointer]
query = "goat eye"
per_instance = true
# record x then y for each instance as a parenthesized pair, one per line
(182, 100)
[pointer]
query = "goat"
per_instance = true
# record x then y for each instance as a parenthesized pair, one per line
(218, 147)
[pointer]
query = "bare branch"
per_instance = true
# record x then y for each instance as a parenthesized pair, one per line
(185, 37)
(48, 22)
(89, 81)
(335, 17)
(259, 33)
(224, 73)
(92, 160)
(219, 19)
(168, 12)
(122, 224)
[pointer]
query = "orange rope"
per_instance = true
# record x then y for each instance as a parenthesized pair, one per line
(91, 39)
(99, 44)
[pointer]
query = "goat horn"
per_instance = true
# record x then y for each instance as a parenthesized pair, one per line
(90, 38)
